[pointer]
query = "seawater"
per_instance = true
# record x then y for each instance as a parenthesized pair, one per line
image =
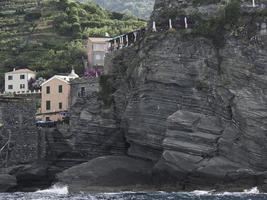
(61, 193)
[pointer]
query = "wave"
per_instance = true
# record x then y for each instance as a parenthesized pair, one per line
(251, 191)
(55, 189)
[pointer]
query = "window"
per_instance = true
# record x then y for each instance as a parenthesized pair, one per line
(82, 92)
(98, 57)
(48, 90)
(10, 87)
(22, 86)
(48, 105)
(10, 78)
(22, 76)
(60, 89)
(99, 47)
(60, 105)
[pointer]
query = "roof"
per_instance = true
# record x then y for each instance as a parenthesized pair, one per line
(19, 71)
(65, 79)
(102, 40)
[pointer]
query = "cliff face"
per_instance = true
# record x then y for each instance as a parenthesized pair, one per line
(195, 101)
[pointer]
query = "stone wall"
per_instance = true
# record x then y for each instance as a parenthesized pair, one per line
(17, 116)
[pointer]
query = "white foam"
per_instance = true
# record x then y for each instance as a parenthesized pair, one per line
(55, 189)
(201, 192)
(253, 190)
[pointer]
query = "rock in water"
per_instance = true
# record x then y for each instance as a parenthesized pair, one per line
(7, 182)
(110, 173)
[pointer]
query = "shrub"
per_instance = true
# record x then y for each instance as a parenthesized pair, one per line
(33, 16)
(215, 27)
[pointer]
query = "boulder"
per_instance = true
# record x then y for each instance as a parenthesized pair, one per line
(109, 173)
(31, 177)
(7, 182)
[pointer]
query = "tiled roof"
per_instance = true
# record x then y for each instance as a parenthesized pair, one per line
(21, 71)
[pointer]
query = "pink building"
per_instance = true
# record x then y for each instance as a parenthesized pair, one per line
(97, 49)
(56, 97)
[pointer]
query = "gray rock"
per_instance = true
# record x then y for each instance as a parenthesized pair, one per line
(7, 182)
(110, 172)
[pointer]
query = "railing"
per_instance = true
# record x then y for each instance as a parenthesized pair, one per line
(29, 92)
(184, 22)
(4, 152)
(126, 40)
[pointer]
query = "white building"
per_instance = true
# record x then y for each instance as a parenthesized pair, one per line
(17, 80)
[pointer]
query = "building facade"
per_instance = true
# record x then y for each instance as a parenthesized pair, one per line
(56, 97)
(97, 49)
(18, 80)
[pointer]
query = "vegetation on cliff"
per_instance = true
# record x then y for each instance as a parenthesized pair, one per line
(139, 8)
(48, 36)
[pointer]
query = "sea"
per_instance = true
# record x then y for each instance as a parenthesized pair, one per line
(61, 193)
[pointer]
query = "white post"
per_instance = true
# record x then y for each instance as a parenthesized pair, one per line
(253, 3)
(122, 41)
(154, 27)
(127, 40)
(115, 44)
(170, 23)
(185, 23)
(135, 36)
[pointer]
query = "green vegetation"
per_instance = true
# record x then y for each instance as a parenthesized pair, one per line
(106, 90)
(139, 8)
(215, 28)
(49, 36)
(204, 2)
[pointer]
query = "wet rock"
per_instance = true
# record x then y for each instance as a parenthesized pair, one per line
(31, 177)
(7, 182)
(109, 172)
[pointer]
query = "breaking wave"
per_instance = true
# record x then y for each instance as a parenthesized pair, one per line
(59, 192)
(55, 189)
(253, 190)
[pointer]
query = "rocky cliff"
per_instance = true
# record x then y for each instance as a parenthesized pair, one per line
(182, 109)
(194, 101)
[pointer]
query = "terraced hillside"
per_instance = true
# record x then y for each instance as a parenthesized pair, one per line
(139, 8)
(48, 35)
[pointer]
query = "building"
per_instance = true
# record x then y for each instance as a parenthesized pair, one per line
(17, 80)
(97, 49)
(56, 97)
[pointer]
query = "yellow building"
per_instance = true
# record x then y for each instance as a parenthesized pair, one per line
(56, 97)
